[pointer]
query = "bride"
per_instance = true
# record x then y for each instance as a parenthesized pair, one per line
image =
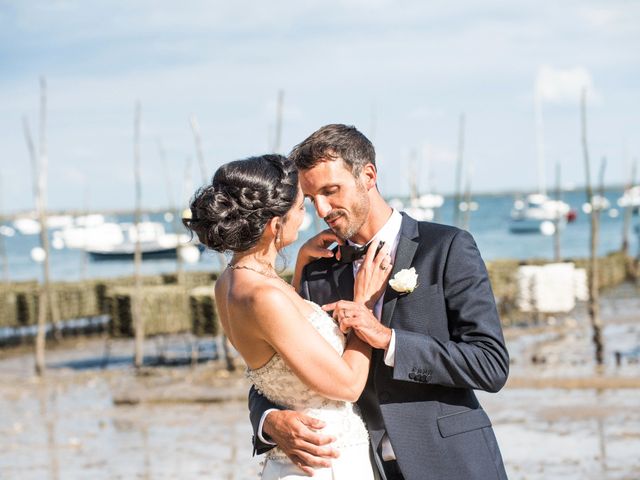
(295, 353)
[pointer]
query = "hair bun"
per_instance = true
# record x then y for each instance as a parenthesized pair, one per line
(230, 214)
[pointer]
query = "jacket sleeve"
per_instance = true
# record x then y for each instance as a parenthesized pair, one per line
(475, 355)
(258, 404)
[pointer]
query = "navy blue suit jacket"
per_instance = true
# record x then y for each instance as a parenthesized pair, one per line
(449, 342)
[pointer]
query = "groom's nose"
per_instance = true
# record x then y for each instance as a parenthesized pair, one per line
(323, 208)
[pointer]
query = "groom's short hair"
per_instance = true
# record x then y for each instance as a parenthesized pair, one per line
(333, 141)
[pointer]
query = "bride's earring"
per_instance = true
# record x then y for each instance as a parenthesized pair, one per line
(278, 238)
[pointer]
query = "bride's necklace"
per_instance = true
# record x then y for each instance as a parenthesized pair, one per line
(267, 271)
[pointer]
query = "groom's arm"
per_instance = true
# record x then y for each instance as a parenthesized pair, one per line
(475, 356)
(258, 406)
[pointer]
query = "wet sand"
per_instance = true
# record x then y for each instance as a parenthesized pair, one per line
(192, 423)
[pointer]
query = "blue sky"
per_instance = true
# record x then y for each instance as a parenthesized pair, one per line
(400, 71)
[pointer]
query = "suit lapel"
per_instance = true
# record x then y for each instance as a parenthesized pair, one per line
(407, 246)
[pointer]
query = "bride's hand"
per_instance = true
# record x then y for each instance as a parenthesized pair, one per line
(373, 275)
(318, 247)
(313, 249)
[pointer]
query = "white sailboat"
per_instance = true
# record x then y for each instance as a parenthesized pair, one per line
(422, 207)
(154, 242)
(538, 213)
(630, 199)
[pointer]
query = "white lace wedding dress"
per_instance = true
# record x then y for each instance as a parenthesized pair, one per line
(278, 383)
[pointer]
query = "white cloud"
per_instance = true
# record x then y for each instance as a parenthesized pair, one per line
(564, 85)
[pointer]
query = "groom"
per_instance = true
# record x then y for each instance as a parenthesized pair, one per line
(433, 345)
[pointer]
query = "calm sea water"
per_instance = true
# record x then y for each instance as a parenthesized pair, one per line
(489, 226)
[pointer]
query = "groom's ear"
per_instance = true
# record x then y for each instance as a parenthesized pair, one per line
(369, 176)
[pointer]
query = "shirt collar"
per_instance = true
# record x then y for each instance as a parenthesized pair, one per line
(389, 231)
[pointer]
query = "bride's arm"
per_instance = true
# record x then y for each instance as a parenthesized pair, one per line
(313, 249)
(305, 351)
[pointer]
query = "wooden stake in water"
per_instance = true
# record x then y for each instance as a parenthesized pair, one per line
(42, 297)
(44, 237)
(628, 209)
(39, 168)
(195, 128)
(177, 226)
(594, 294)
(3, 250)
(556, 233)
(414, 187)
(466, 218)
(136, 300)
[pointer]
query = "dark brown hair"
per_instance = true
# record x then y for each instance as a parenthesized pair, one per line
(230, 214)
(332, 141)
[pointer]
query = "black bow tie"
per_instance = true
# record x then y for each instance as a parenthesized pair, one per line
(351, 253)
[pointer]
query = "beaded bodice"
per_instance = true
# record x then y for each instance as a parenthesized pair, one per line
(276, 381)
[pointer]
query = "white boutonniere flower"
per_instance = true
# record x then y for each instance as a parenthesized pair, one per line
(405, 281)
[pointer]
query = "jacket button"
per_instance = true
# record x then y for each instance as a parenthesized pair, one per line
(384, 396)
(412, 376)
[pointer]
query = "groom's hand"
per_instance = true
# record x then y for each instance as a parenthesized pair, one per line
(297, 435)
(352, 315)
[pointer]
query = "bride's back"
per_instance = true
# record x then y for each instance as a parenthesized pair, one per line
(241, 296)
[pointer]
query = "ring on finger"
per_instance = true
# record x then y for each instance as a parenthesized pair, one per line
(383, 267)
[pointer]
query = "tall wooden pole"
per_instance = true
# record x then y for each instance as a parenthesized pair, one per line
(136, 300)
(556, 234)
(39, 168)
(594, 294)
(540, 143)
(3, 249)
(43, 304)
(43, 177)
(414, 187)
(466, 217)
(459, 170)
(628, 209)
(85, 255)
(203, 171)
(177, 227)
(603, 168)
(195, 128)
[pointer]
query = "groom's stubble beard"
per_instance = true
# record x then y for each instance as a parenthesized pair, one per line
(356, 216)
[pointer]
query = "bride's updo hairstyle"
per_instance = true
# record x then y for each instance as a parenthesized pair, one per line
(230, 214)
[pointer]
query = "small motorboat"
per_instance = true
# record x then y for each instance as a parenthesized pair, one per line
(155, 243)
(539, 214)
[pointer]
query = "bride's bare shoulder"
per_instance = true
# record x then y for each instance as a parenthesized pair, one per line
(251, 295)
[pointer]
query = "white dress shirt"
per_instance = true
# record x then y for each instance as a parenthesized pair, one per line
(390, 234)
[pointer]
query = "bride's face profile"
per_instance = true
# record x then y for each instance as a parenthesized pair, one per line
(293, 220)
